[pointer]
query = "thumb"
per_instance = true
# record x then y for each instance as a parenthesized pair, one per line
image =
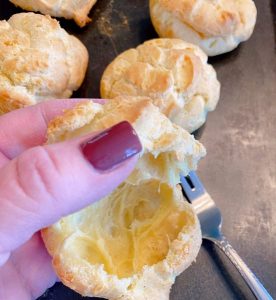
(47, 182)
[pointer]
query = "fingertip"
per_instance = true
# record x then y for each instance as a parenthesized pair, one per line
(111, 147)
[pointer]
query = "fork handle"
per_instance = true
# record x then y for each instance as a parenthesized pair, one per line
(252, 281)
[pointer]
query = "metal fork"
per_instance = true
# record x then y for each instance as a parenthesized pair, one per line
(211, 221)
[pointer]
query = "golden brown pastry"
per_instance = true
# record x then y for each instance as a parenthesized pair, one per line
(217, 26)
(175, 74)
(132, 244)
(168, 148)
(39, 61)
(68, 9)
(129, 246)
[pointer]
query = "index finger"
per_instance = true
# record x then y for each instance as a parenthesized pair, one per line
(25, 128)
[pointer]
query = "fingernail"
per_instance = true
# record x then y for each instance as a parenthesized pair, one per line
(112, 146)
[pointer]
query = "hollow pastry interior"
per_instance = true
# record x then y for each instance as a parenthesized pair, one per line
(131, 228)
(137, 227)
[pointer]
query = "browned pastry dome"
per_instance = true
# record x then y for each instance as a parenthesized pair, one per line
(39, 61)
(175, 74)
(217, 26)
(68, 9)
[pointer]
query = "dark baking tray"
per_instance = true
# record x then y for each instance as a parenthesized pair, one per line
(240, 136)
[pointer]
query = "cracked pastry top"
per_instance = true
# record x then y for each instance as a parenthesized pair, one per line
(173, 73)
(217, 26)
(68, 9)
(133, 243)
(38, 61)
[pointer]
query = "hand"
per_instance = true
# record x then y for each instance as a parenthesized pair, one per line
(41, 184)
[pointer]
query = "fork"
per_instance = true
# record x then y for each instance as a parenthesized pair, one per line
(210, 221)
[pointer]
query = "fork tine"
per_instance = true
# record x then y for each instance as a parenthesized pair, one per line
(185, 184)
(196, 181)
(192, 186)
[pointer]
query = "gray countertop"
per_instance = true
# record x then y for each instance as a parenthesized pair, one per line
(240, 136)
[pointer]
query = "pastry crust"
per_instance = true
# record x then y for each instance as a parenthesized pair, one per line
(98, 252)
(39, 61)
(217, 26)
(175, 74)
(68, 9)
(133, 243)
(168, 149)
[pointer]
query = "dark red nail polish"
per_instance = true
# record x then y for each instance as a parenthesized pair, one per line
(112, 146)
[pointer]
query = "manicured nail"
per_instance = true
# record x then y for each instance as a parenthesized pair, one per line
(112, 146)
